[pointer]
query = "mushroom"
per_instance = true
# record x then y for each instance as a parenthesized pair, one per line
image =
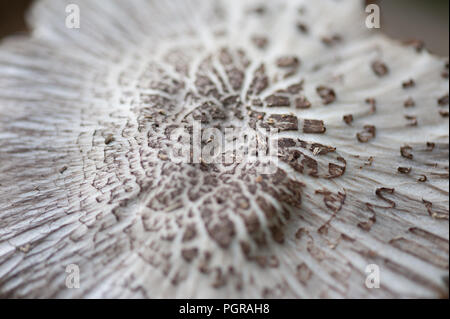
(86, 176)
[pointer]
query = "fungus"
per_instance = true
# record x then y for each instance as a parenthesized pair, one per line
(87, 177)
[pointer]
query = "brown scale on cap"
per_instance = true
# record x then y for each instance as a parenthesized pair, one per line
(384, 190)
(368, 134)
(412, 120)
(302, 103)
(431, 146)
(90, 176)
(334, 202)
(294, 88)
(288, 62)
(331, 41)
(260, 41)
(302, 27)
(314, 127)
(278, 101)
(189, 254)
(380, 68)
(109, 139)
(260, 81)
(373, 104)
(443, 101)
(327, 94)
(348, 119)
(444, 113)
(422, 179)
(405, 151)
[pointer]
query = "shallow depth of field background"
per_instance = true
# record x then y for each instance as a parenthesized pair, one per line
(425, 20)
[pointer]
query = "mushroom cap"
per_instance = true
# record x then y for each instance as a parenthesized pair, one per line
(361, 169)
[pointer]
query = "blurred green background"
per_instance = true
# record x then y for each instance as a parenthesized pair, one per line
(425, 20)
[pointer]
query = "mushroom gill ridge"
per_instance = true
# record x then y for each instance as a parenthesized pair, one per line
(361, 168)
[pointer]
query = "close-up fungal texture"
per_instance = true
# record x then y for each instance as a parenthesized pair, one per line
(353, 202)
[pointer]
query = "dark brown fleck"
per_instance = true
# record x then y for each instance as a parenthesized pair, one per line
(223, 232)
(366, 226)
(422, 179)
(257, 102)
(331, 200)
(260, 10)
(332, 40)
(260, 81)
(405, 151)
(444, 113)
(373, 104)
(288, 62)
(348, 119)
(189, 233)
(391, 191)
(408, 84)
(286, 142)
(109, 139)
(431, 146)
(300, 232)
(246, 249)
(419, 45)
(314, 127)
(434, 215)
(189, 254)
(319, 149)
(327, 94)
(369, 161)
(277, 101)
(443, 101)
(302, 103)
(412, 120)
(304, 273)
(295, 88)
(277, 234)
(336, 170)
(260, 41)
(302, 27)
(445, 72)
(220, 279)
